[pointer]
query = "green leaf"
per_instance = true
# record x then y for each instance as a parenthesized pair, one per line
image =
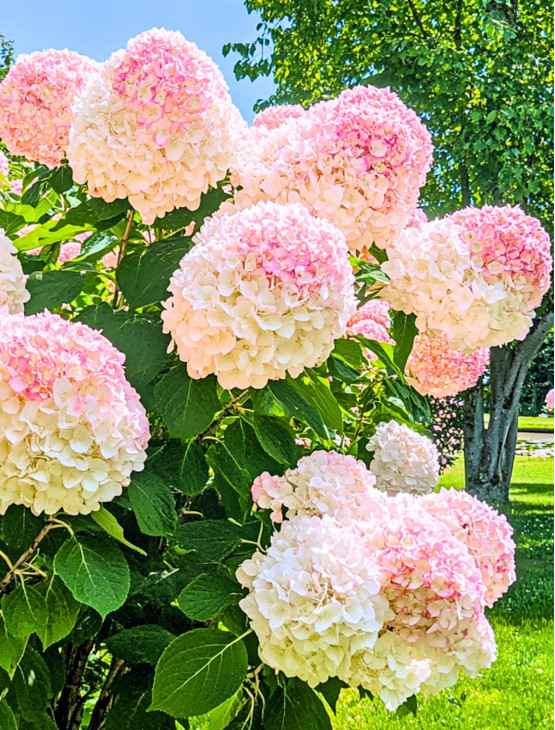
(130, 708)
(331, 691)
(296, 707)
(10, 222)
(276, 438)
(404, 331)
(300, 399)
(220, 717)
(153, 504)
(144, 276)
(212, 539)
(11, 649)
(409, 707)
(139, 337)
(51, 289)
(19, 527)
(109, 524)
(31, 196)
(95, 571)
(182, 217)
(31, 686)
(24, 611)
(92, 211)
(140, 644)
(61, 179)
(7, 718)
(350, 352)
(62, 610)
(207, 596)
(186, 406)
(198, 671)
(318, 389)
(192, 470)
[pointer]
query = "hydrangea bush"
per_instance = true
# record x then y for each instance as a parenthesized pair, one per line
(217, 468)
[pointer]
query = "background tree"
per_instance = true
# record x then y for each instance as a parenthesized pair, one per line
(479, 73)
(6, 55)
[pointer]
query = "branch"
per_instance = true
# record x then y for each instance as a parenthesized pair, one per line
(122, 248)
(26, 555)
(418, 21)
(528, 348)
(69, 705)
(105, 698)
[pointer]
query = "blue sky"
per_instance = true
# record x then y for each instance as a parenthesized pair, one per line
(99, 27)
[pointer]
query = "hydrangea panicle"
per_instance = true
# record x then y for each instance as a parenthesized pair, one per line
(358, 161)
(13, 293)
(434, 368)
(403, 460)
(72, 429)
(372, 321)
(275, 116)
(550, 400)
(157, 125)
(264, 292)
(36, 100)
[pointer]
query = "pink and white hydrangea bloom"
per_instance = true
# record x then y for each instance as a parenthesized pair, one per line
(550, 400)
(275, 116)
(486, 533)
(403, 460)
(13, 293)
(264, 292)
(36, 99)
(323, 483)
(314, 598)
(4, 167)
(157, 125)
(372, 321)
(72, 429)
(434, 368)
(436, 596)
(358, 161)
(474, 277)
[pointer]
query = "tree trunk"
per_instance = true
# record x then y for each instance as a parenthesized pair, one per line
(489, 452)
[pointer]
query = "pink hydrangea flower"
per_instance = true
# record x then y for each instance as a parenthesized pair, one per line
(157, 125)
(434, 368)
(486, 533)
(372, 321)
(264, 292)
(4, 166)
(72, 429)
(275, 116)
(358, 161)
(323, 483)
(16, 186)
(550, 400)
(474, 277)
(36, 100)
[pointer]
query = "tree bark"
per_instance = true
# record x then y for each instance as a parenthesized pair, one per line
(489, 452)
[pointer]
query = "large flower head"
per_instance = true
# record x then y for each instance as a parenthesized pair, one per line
(264, 292)
(358, 160)
(436, 597)
(72, 429)
(474, 277)
(36, 100)
(486, 533)
(13, 293)
(313, 598)
(275, 116)
(550, 400)
(323, 483)
(403, 460)
(156, 126)
(434, 368)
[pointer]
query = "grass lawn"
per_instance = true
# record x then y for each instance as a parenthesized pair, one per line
(516, 693)
(545, 423)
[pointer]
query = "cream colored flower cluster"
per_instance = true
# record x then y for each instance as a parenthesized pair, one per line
(403, 460)
(264, 292)
(384, 592)
(157, 126)
(72, 429)
(13, 293)
(473, 278)
(358, 161)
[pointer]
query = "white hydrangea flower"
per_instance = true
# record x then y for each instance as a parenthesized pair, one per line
(313, 598)
(13, 293)
(403, 460)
